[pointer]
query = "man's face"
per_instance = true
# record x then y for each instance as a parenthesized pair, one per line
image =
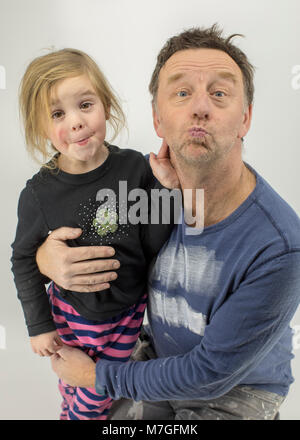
(201, 108)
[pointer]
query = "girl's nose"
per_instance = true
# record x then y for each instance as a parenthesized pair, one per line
(77, 126)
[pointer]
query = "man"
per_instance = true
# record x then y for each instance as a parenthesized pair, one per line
(220, 301)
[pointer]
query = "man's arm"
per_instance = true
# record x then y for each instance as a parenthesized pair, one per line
(77, 269)
(241, 333)
(238, 337)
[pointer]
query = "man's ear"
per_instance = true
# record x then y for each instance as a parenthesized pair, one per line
(156, 121)
(246, 122)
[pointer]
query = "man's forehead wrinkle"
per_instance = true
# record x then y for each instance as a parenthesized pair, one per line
(201, 54)
(217, 73)
(181, 67)
(200, 59)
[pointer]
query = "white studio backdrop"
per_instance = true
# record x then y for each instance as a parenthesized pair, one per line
(124, 37)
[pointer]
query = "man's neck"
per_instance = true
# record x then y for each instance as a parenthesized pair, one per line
(226, 186)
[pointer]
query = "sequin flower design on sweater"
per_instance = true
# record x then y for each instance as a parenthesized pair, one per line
(105, 221)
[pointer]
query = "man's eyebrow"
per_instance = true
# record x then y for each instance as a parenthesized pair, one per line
(80, 94)
(218, 75)
(226, 75)
(175, 77)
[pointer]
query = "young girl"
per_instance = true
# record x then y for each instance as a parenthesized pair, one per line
(65, 101)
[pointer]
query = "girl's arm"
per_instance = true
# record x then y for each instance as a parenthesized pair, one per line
(30, 283)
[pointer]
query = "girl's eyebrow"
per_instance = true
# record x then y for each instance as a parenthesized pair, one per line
(80, 94)
(85, 93)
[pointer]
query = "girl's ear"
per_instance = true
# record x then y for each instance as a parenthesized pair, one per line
(107, 113)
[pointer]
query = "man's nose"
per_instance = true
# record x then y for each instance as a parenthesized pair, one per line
(201, 106)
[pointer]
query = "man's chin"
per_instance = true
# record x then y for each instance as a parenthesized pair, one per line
(196, 147)
(195, 152)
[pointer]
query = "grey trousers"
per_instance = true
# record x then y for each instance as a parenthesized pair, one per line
(241, 403)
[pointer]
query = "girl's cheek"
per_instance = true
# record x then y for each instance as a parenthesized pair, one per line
(61, 135)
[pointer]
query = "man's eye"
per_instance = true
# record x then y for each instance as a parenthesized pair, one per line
(219, 94)
(57, 115)
(182, 93)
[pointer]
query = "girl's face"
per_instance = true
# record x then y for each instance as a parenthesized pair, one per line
(77, 126)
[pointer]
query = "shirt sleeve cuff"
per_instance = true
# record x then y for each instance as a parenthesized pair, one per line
(107, 380)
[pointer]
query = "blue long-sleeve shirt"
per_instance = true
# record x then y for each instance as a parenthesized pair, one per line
(220, 305)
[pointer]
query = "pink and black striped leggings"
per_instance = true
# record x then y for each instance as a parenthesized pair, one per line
(113, 339)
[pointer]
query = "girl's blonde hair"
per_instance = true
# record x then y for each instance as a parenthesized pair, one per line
(40, 77)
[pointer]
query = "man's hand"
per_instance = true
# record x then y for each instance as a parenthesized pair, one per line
(162, 167)
(74, 268)
(74, 367)
(46, 344)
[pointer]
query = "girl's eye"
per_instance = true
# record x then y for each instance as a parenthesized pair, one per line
(86, 105)
(57, 115)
